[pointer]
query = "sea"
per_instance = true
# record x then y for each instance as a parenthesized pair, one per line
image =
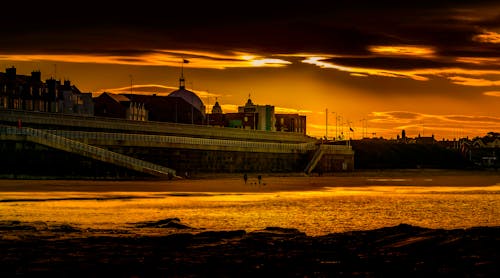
(319, 212)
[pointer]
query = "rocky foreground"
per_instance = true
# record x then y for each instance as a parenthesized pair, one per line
(44, 250)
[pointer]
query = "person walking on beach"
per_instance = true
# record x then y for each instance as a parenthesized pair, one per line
(245, 178)
(259, 177)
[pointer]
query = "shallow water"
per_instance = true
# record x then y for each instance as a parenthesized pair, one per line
(334, 209)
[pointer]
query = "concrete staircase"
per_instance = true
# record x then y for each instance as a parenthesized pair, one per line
(315, 159)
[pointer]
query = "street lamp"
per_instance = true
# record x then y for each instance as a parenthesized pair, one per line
(336, 136)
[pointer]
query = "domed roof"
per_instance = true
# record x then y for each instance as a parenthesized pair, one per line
(216, 109)
(190, 97)
(249, 102)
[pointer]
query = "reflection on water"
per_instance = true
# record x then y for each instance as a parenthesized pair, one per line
(334, 209)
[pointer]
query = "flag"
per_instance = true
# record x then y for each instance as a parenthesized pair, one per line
(185, 61)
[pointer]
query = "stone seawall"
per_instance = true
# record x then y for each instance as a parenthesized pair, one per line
(31, 149)
(25, 159)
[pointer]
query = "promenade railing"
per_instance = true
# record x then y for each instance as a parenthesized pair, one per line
(187, 142)
(69, 121)
(62, 143)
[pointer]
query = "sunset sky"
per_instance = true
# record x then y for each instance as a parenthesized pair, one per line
(377, 66)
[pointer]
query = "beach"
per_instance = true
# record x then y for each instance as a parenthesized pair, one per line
(177, 249)
(270, 182)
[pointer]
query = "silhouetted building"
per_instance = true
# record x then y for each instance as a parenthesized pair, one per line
(242, 120)
(147, 107)
(119, 106)
(174, 109)
(263, 115)
(485, 151)
(291, 123)
(180, 106)
(217, 118)
(259, 117)
(425, 140)
(30, 93)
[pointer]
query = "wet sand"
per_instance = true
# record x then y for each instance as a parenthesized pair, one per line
(269, 183)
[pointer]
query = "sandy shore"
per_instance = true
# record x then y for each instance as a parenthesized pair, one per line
(269, 183)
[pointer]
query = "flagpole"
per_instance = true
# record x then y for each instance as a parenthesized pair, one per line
(182, 68)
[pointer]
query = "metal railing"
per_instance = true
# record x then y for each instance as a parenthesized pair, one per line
(69, 120)
(59, 142)
(193, 142)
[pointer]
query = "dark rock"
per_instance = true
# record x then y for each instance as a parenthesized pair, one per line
(277, 232)
(10, 225)
(283, 230)
(400, 251)
(214, 236)
(66, 228)
(164, 223)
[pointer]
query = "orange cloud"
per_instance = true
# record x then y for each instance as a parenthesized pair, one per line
(160, 57)
(492, 93)
(285, 110)
(149, 89)
(358, 71)
(487, 37)
(443, 125)
(402, 50)
(473, 81)
(479, 60)
(229, 108)
(144, 89)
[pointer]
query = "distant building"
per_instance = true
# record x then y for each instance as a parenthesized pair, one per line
(191, 98)
(30, 93)
(119, 106)
(180, 106)
(217, 118)
(242, 120)
(485, 151)
(489, 142)
(291, 123)
(259, 117)
(425, 140)
(262, 115)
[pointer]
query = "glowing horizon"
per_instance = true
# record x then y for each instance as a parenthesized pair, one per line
(387, 71)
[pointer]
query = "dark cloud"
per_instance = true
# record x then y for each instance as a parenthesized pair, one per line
(329, 27)
(404, 63)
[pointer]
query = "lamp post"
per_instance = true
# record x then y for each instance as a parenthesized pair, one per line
(326, 124)
(336, 136)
